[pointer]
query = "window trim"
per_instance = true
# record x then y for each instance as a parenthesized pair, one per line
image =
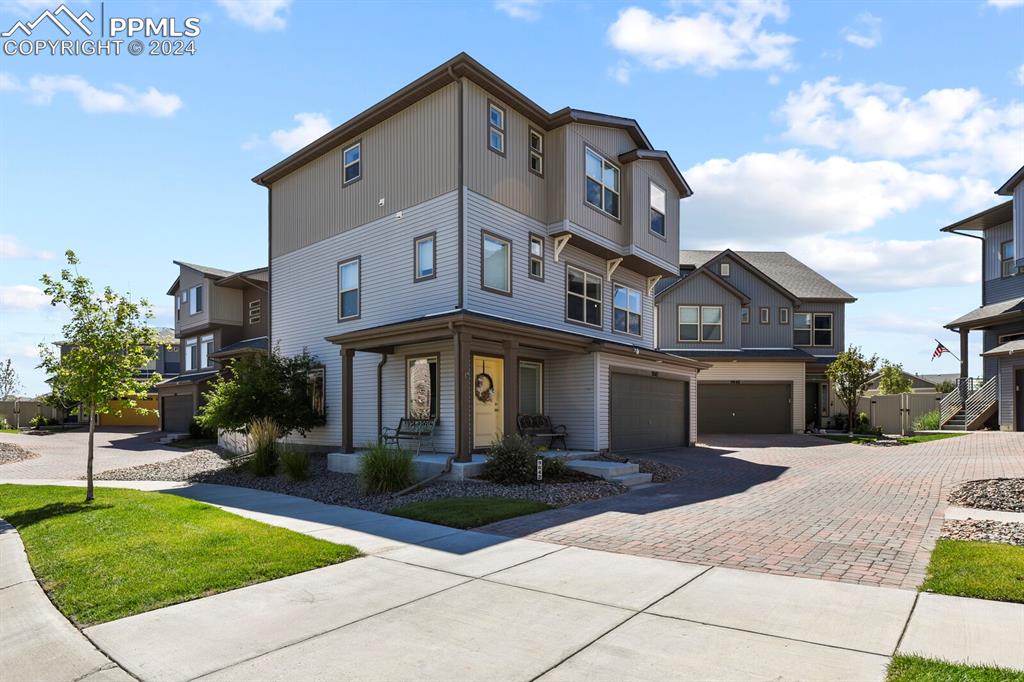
(745, 309)
(203, 341)
(484, 234)
(344, 182)
(700, 323)
(784, 315)
(764, 315)
(191, 364)
(566, 294)
(195, 300)
(1004, 261)
(429, 357)
(650, 207)
(503, 130)
(358, 260)
(540, 365)
(812, 344)
(640, 314)
(322, 372)
(531, 152)
(724, 269)
(416, 277)
(540, 258)
(255, 305)
(618, 193)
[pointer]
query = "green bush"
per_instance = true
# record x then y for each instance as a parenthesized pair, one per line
(554, 467)
(385, 470)
(38, 421)
(296, 465)
(197, 431)
(4, 424)
(512, 460)
(263, 435)
(929, 421)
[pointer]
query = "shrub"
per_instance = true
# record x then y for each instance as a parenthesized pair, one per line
(4, 424)
(385, 470)
(512, 459)
(263, 435)
(554, 467)
(38, 421)
(946, 386)
(296, 465)
(199, 432)
(929, 421)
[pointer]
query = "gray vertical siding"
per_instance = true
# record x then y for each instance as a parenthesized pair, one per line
(699, 290)
(555, 174)
(755, 334)
(609, 142)
(1007, 404)
(249, 294)
(838, 311)
(1018, 222)
(641, 174)
(184, 322)
(996, 287)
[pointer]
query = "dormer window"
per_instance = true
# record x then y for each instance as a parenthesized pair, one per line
(495, 128)
(536, 153)
(1006, 260)
(657, 210)
(353, 163)
(602, 183)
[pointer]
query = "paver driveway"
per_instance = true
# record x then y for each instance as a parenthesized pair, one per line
(791, 505)
(62, 454)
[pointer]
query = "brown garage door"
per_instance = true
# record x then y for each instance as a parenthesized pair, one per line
(648, 412)
(744, 408)
(176, 413)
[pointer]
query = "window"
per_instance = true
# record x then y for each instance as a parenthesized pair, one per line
(531, 387)
(352, 164)
(602, 183)
(255, 311)
(316, 385)
(802, 329)
(195, 300)
(700, 323)
(348, 289)
(723, 269)
(765, 315)
(745, 315)
(1006, 259)
(495, 128)
(626, 306)
(783, 315)
(421, 380)
(205, 350)
(496, 264)
(536, 153)
(822, 329)
(537, 257)
(812, 329)
(191, 354)
(657, 210)
(423, 256)
(582, 296)
(1005, 338)
(689, 323)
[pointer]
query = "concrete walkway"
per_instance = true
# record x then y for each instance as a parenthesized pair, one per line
(432, 602)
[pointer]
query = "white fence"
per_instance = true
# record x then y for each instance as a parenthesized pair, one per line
(29, 409)
(897, 413)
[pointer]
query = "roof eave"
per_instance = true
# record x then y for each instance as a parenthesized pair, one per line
(1007, 189)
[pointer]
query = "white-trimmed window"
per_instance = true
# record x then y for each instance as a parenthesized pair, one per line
(424, 257)
(724, 269)
(822, 329)
(745, 315)
(783, 315)
(531, 387)
(421, 383)
(657, 210)
(1006, 259)
(602, 190)
(812, 329)
(195, 300)
(766, 315)
(495, 264)
(537, 257)
(352, 163)
(627, 305)
(349, 289)
(205, 350)
(583, 296)
(255, 310)
(536, 153)
(317, 385)
(496, 128)
(191, 354)
(700, 323)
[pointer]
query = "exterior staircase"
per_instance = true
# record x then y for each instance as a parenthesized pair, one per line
(969, 405)
(624, 473)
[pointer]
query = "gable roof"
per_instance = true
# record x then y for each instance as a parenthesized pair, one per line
(462, 66)
(791, 276)
(215, 273)
(257, 274)
(720, 281)
(1015, 179)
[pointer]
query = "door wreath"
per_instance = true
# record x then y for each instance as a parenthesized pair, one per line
(484, 387)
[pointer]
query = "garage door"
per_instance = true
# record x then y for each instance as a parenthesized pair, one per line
(744, 408)
(647, 412)
(176, 411)
(130, 416)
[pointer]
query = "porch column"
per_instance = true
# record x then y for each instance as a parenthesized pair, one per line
(347, 354)
(964, 364)
(511, 397)
(463, 394)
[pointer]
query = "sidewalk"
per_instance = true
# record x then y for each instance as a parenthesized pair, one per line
(436, 603)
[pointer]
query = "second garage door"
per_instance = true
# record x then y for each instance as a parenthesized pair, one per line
(647, 413)
(744, 408)
(176, 413)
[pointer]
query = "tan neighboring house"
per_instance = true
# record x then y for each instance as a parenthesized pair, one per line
(218, 314)
(919, 383)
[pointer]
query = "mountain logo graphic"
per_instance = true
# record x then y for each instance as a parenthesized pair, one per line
(77, 20)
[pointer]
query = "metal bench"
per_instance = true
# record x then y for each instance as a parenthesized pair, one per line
(539, 426)
(410, 428)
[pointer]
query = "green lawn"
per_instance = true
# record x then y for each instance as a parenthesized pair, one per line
(925, 437)
(468, 512)
(987, 570)
(916, 669)
(193, 443)
(857, 439)
(867, 439)
(130, 551)
(9, 431)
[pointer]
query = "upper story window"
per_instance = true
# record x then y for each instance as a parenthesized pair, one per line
(423, 256)
(495, 128)
(315, 382)
(191, 354)
(1006, 260)
(195, 300)
(255, 311)
(349, 280)
(205, 350)
(536, 153)
(537, 257)
(421, 380)
(765, 315)
(812, 329)
(724, 269)
(745, 315)
(352, 163)
(626, 310)
(582, 296)
(657, 210)
(496, 264)
(701, 323)
(783, 315)
(602, 183)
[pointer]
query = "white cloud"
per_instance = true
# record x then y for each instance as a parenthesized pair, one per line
(952, 128)
(1004, 4)
(528, 10)
(620, 73)
(866, 31)
(17, 6)
(93, 100)
(723, 35)
(261, 15)
(11, 247)
(309, 126)
(1020, 74)
(22, 297)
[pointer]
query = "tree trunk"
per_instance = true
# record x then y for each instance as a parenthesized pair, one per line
(853, 411)
(88, 466)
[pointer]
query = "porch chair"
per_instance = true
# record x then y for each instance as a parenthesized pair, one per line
(539, 426)
(409, 428)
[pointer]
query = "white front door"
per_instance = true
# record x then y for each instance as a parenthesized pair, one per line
(488, 399)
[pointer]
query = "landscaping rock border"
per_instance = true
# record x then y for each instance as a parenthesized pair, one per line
(10, 453)
(1011, 533)
(1001, 494)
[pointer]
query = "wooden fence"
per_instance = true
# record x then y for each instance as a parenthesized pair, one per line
(897, 413)
(29, 409)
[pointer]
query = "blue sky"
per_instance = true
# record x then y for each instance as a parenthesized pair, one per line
(844, 132)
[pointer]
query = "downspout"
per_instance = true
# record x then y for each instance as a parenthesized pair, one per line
(462, 198)
(380, 397)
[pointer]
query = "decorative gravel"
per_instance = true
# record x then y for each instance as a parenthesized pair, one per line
(207, 466)
(660, 471)
(1002, 494)
(985, 531)
(10, 453)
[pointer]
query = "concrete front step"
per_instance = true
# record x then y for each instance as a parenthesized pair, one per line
(169, 438)
(603, 469)
(632, 480)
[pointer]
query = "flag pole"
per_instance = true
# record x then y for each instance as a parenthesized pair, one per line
(947, 350)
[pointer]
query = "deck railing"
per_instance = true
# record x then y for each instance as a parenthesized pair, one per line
(980, 400)
(956, 400)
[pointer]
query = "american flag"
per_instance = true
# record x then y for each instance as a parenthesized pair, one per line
(939, 350)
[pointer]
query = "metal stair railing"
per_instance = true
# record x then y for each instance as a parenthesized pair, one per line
(980, 400)
(956, 400)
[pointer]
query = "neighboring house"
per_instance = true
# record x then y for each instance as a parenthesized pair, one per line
(919, 383)
(458, 252)
(768, 325)
(1000, 398)
(217, 315)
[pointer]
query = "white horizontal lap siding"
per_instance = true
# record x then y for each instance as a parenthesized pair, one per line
(765, 372)
(305, 295)
(533, 301)
(393, 403)
(569, 397)
(607, 363)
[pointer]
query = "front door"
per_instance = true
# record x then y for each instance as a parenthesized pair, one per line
(1018, 392)
(488, 399)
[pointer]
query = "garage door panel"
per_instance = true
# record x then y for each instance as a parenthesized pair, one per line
(647, 412)
(744, 408)
(176, 411)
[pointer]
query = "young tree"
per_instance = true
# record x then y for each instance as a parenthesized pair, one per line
(9, 383)
(849, 374)
(946, 386)
(108, 339)
(893, 380)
